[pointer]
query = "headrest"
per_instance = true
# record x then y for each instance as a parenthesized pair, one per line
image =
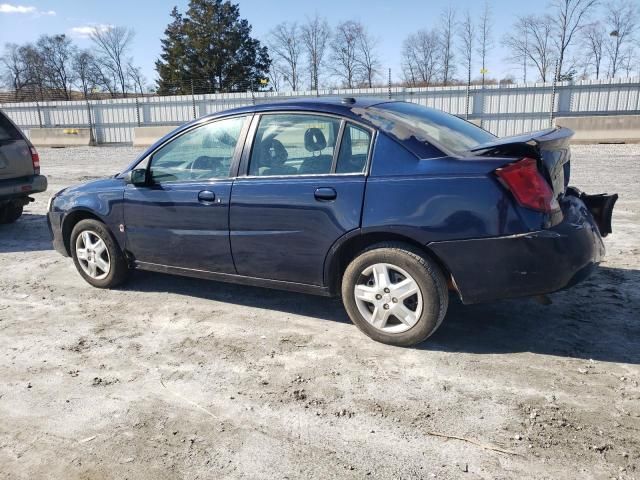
(273, 149)
(314, 140)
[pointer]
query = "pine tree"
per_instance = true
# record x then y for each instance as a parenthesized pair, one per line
(211, 46)
(171, 65)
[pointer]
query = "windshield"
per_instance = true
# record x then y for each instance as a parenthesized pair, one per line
(409, 121)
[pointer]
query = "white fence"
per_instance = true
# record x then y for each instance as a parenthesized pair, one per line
(503, 110)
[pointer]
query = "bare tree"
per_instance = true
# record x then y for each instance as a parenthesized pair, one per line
(275, 77)
(137, 78)
(286, 48)
(367, 56)
(57, 52)
(315, 36)
(344, 53)
(421, 57)
(485, 40)
(622, 21)
(15, 71)
(568, 18)
(531, 41)
(467, 35)
(85, 72)
(113, 46)
(593, 37)
(630, 61)
(447, 33)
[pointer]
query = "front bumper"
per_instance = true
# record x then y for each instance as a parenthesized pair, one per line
(22, 187)
(533, 263)
(54, 221)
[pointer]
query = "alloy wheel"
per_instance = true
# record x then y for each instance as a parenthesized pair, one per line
(388, 297)
(93, 255)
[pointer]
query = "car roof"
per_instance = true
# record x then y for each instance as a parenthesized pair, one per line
(336, 105)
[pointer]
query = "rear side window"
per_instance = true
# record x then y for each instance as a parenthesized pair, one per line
(294, 144)
(354, 150)
(7, 130)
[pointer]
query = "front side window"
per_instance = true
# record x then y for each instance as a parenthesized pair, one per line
(294, 144)
(204, 153)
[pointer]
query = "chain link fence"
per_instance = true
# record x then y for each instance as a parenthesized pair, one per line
(501, 109)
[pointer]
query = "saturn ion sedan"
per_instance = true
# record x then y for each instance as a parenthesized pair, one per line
(388, 204)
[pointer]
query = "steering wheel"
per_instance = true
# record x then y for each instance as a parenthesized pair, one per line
(210, 173)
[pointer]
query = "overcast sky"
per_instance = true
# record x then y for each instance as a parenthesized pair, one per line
(389, 21)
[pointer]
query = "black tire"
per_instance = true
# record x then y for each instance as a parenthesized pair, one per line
(119, 269)
(10, 212)
(426, 274)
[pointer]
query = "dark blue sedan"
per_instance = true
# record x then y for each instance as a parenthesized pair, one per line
(388, 204)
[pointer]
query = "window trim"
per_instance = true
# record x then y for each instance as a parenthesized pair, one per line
(235, 159)
(243, 171)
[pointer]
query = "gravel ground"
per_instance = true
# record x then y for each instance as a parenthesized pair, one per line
(179, 378)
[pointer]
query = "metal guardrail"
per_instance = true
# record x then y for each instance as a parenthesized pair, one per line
(503, 110)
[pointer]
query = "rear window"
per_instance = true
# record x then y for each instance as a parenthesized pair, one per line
(416, 123)
(7, 130)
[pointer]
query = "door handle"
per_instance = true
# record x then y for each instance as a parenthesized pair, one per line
(206, 196)
(325, 193)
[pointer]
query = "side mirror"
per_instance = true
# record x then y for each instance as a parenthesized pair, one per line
(136, 177)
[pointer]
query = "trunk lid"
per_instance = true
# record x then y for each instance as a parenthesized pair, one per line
(549, 147)
(15, 152)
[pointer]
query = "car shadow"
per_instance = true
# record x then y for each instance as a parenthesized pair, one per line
(28, 234)
(597, 319)
(289, 302)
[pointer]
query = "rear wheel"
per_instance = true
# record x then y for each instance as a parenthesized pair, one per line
(10, 212)
(395, 294)
(96, 255)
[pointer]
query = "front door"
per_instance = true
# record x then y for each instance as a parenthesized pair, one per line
(304, 190)
(180, 218)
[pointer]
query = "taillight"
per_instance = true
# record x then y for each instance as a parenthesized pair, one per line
(35, 160)
(529, 187)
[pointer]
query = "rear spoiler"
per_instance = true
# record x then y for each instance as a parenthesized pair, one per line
(527, 143)
(550, 147)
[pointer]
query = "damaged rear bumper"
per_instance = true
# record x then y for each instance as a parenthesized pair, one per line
(533, 263)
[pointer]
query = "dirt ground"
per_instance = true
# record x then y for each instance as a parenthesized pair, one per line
(180, 378)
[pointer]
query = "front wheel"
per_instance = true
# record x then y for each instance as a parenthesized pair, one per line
(96, 254)
(394, 294)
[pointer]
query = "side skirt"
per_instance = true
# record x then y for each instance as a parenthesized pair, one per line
(232, 278)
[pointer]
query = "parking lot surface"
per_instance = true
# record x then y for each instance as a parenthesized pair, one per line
(171, 377)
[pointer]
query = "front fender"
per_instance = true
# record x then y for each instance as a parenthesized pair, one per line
(102, 199)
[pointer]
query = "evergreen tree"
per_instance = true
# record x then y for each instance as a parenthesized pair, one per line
(171, 66)
(211, 46)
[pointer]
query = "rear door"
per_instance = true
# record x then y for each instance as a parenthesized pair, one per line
(180, 218)
(15, 153)
(302, 189)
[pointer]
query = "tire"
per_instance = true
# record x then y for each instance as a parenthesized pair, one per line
(10, 212)
(416, 291)
(91, 242)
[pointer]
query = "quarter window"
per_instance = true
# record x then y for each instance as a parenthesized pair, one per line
(354, 150)
(203, 153)
(294, 144)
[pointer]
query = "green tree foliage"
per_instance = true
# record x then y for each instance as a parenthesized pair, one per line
(212, 46)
